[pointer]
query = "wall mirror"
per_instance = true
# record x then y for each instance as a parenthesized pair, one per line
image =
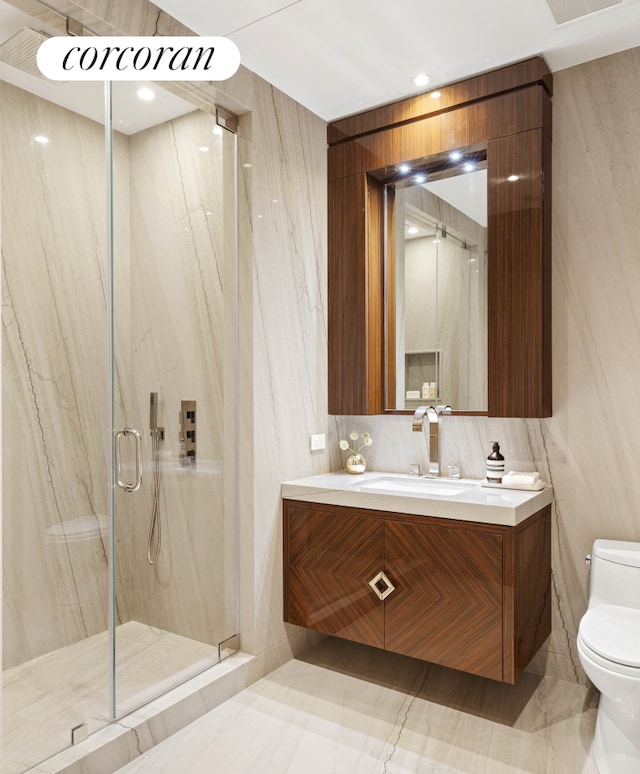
(436, 290)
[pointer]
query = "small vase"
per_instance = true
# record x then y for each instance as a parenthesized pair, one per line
(356, 463)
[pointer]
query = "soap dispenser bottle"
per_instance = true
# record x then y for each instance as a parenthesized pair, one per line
(495, 465)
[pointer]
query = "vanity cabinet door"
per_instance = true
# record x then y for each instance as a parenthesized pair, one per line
(447, 606)
(329, 561)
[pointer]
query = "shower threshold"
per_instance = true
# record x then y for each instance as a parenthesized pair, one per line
(43, 699)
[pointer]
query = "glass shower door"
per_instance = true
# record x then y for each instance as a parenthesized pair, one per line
(55, 493)
(174, 394)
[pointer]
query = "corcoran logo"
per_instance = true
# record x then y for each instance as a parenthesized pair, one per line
(138, 58)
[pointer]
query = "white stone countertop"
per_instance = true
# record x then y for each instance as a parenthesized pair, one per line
(468, 502)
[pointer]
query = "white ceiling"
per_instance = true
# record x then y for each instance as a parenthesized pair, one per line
(338, 57)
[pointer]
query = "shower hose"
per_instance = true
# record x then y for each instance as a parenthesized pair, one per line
(155, 528)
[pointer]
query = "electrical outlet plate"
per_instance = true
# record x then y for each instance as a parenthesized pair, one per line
(317, 442)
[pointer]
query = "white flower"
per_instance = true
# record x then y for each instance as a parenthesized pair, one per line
(367, 440)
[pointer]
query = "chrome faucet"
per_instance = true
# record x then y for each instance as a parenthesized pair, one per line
(417, 425)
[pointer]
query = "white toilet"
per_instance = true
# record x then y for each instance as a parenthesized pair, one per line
(609, 650)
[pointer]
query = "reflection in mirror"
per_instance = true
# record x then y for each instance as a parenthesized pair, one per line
(437, 256)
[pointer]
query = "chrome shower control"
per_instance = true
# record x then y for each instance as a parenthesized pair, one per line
(187, 434)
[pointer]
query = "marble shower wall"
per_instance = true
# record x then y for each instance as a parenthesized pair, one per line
(590, 449)
(173, 325)
(180, 344)
(282, 275)
(54, 374)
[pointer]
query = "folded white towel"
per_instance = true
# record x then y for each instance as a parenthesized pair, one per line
(517, 478)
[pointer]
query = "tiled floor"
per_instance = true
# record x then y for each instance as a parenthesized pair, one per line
(44, 698)
(349, 709)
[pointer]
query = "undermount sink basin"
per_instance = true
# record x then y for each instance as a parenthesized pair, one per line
(414, 485)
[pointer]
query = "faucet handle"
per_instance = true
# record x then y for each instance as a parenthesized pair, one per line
(416, 423)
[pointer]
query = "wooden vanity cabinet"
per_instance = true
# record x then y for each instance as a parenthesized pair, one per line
(471, 596)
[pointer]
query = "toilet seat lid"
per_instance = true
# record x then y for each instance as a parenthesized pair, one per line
(613, 632)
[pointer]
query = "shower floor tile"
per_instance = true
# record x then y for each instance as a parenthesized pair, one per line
(349, 709)
(46, 697)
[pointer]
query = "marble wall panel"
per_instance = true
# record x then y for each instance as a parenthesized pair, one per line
(54, 375)
(181, 202)
(287, 388)
(170, 325)
(282, 285)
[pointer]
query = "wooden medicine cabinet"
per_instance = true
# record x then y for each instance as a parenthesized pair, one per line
(504, 118)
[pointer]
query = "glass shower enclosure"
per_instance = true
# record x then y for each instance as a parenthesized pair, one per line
(118, 237)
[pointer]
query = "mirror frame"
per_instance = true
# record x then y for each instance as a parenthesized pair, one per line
(509, 111)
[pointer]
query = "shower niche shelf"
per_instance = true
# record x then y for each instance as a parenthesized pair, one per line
(422, 366)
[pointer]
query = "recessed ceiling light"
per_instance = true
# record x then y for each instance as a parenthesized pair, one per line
(513, 178)
(421, 80)
(469, 167)
(421, 178)
(435, 95)
(404, 168)
(203, 148)
(455, 155)
(412, 230)
(41, 139)
(146, 94)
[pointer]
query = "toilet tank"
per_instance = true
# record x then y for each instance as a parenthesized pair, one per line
(615, 573)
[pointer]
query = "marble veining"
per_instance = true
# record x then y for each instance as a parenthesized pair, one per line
(178, 272)
(55, 437)
(171, 329)
(343, 707)
(47, 696)
(282, 279)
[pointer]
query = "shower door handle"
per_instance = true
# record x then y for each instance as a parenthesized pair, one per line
(132, 487)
